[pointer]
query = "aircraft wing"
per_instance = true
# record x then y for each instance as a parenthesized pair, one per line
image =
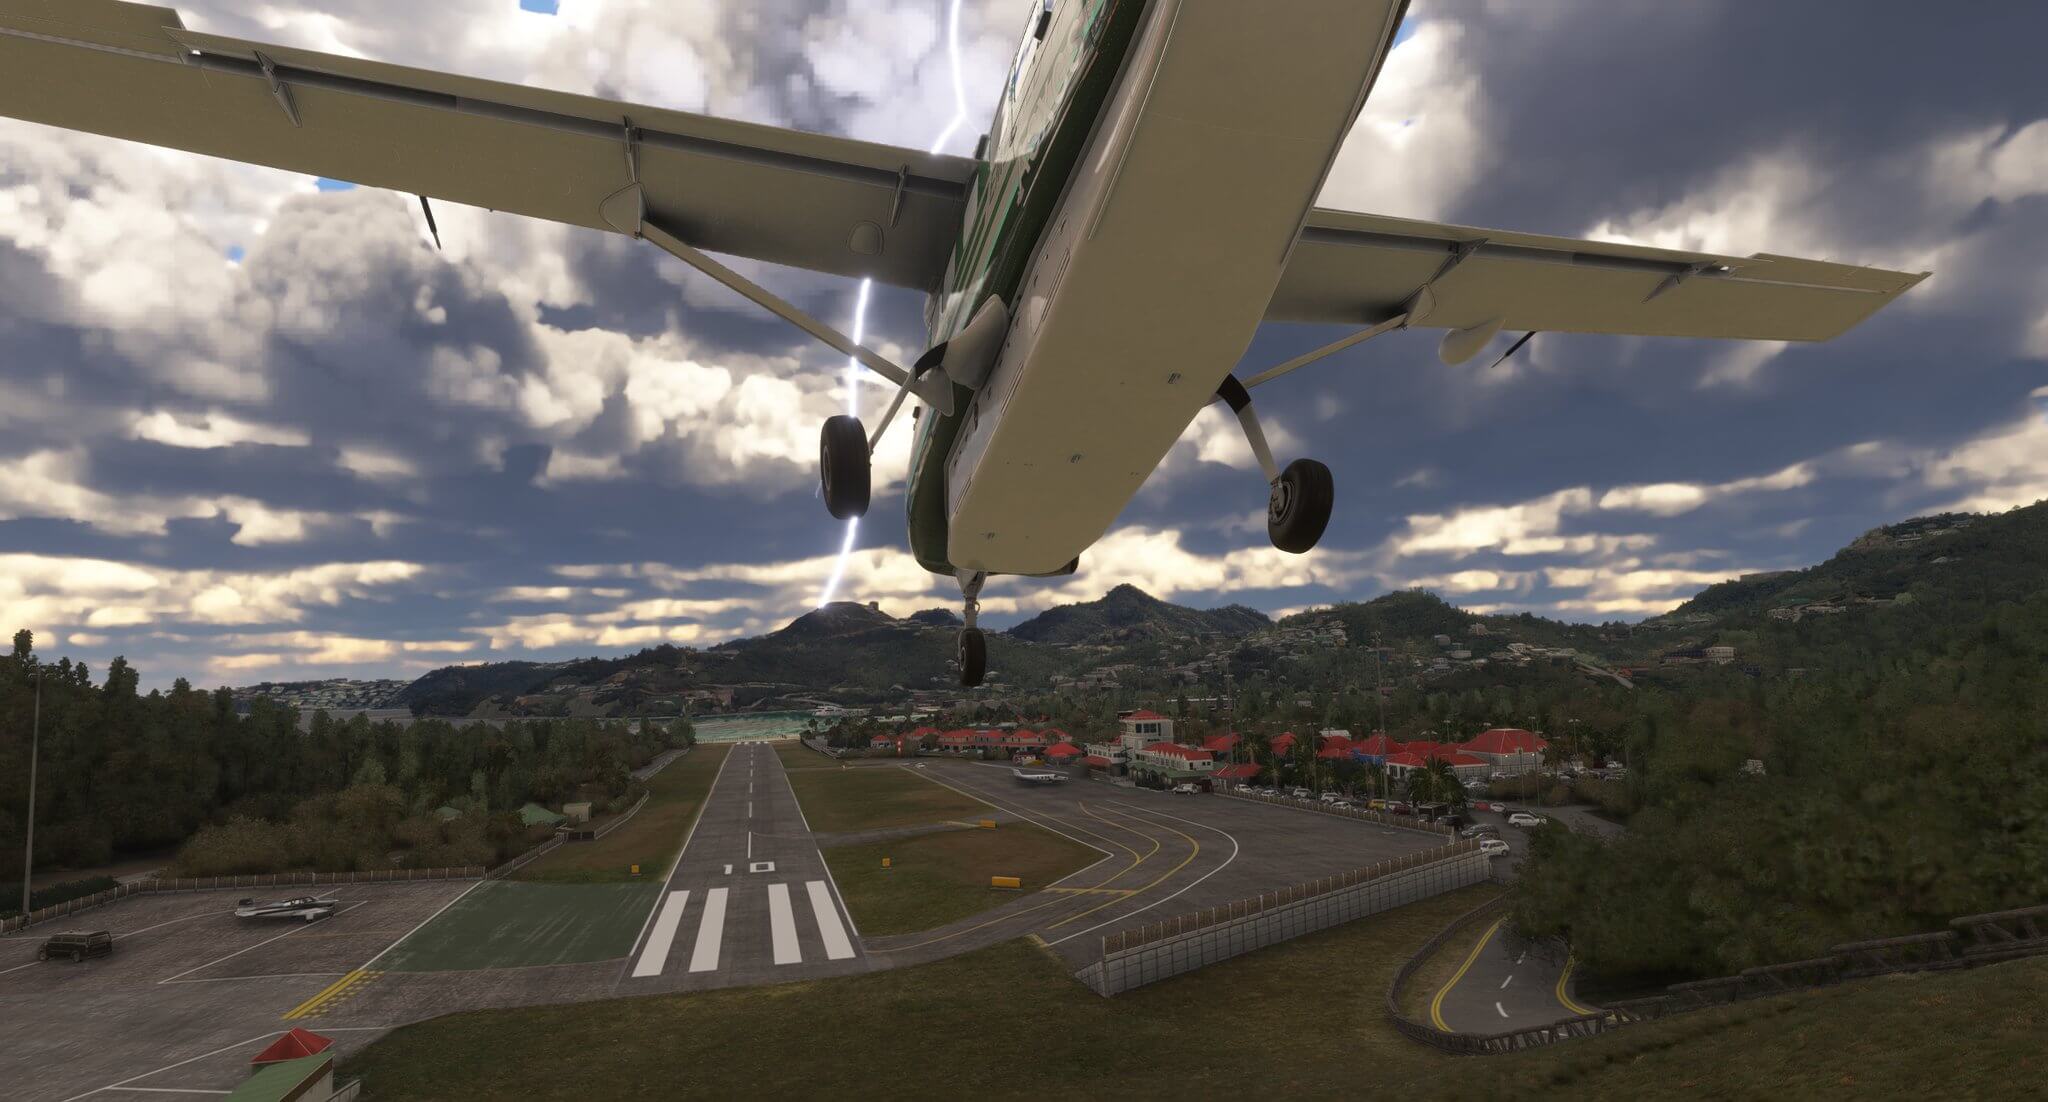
(1362, 268)
(807, 200)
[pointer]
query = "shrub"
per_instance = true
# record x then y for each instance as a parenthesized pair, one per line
(240, 845)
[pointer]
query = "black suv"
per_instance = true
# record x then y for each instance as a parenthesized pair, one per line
(1480, 832)
(77, 946)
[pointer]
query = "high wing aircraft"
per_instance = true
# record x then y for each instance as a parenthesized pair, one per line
(1039, 778)
(1142, 199)
(305, 907)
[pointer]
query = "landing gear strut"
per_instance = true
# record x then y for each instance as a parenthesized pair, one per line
(973, 646)
(1298, 505)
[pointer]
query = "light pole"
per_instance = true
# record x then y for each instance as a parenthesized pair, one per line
(28, 856)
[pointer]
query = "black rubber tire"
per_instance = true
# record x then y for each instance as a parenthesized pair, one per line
(973, 656)
(1299, 508)
(77, 955)
(843, 466)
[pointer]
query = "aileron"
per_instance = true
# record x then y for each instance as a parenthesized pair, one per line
(1353, 267)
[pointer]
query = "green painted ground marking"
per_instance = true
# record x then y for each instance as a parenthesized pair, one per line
(511, 924)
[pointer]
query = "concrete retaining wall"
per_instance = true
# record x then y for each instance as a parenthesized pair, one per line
(1122, 970)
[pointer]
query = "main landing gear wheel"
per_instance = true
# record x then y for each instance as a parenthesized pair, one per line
(843, 466)
(1299, 508)
(973, 656)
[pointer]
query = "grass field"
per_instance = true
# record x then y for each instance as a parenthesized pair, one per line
(939, 878)
(795, 755)
(505, 924)
(649, 839)
(1307, 1017)
(861, 799)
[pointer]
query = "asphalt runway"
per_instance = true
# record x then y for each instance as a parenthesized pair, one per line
(186, 978)
(750, 899)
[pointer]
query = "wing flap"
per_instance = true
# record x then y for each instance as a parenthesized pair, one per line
(1358, 268)
(782, 196)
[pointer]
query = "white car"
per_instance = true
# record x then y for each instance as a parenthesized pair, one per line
(1524, 819)
(1493, 847)
(1187, 789)
(1300, 793)
(1330, 797)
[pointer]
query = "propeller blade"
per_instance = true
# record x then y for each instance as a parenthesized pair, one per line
(431, 228)
(1512, 349)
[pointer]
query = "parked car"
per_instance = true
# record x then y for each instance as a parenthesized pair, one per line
(1480, 831)
(1188, 788)
(76, 946)
(1524, 819)
(1493, 847)
(1341, 802)
(1330, 797)
(1300, 793)
(1399, 808)
(1452, 819)
(1376, 804)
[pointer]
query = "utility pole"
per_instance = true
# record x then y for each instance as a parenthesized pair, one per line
(1379, 699)
(35, 744)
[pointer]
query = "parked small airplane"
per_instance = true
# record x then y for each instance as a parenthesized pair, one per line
(1142, 200)
(1039, 778)
(306, 907)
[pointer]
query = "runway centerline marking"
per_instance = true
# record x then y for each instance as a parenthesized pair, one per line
(1503, 1010)
(654, 956)
(837, 947)
(1504, 983)
(710, 931)
(782, 925)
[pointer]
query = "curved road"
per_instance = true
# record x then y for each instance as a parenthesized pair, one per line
(1498, 987)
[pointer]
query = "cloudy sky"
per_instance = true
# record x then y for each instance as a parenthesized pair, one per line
(252, 425)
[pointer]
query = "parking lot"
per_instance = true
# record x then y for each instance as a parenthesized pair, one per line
(188, 978)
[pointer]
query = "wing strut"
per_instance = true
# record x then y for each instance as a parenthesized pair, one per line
(773, 303)
(1396, 322)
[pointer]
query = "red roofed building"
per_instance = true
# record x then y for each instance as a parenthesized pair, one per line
(1241, 773)
(1143, 728)
(1463, 766)
(1378, 746)
(1509, 749)
(1221, 744)
(1097, 761)
(1062, 752)
(1282, 744)
(1173, 758)
(1333, 745)
(296, 1044)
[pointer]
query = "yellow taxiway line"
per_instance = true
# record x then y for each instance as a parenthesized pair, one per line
(338, 989)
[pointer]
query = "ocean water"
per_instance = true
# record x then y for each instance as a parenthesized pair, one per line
(752, 726)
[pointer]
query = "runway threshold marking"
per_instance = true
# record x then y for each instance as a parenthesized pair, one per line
(654, 955)
(710, 932)
(1436, 1003)
(837, 947)
(782, 925)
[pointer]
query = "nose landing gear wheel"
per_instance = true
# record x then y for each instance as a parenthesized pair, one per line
(843, 466)
(1299, 508)
(973, 656)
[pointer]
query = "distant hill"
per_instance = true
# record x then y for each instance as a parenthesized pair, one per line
(1889, 584)
(1127, 614)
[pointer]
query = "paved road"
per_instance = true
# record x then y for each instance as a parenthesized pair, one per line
(750, 899)
(1500, 986)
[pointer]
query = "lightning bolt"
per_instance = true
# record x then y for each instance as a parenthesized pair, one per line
(860, 302)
